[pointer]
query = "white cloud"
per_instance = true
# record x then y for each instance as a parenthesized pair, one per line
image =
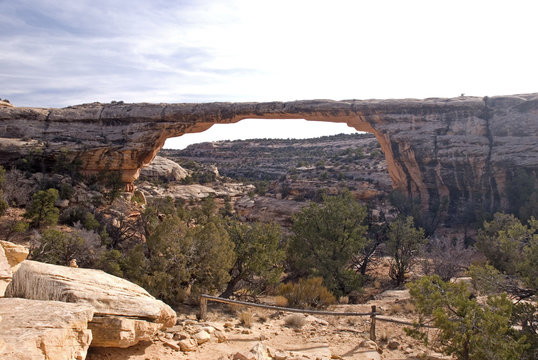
(58, 53)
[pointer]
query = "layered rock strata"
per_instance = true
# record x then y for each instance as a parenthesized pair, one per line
(43, 330)
(11, 255)
(124, 312)
(444, 152)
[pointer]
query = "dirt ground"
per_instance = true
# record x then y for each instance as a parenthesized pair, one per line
(319, 337)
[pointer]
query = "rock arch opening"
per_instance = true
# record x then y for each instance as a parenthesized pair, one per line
(305, 157)
(443, 151)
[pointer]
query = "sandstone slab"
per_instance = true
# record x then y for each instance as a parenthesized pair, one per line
(121, 308)
(5, 272)
(162, 168)
(122, 332)
(43, 330)
(11, 255)
(15, 254)
(187, 345)
(201, 337)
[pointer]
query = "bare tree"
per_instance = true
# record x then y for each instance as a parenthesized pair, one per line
(446, 258)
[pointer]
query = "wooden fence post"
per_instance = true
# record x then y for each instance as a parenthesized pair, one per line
(203, 308)
(372, 323)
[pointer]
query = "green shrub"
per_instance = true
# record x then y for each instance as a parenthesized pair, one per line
(90, 222)
(258, 257)
(325, 239)
(41, 210)
(57, 247)
(404, 243)
(511, 247)
(66, 191)
(138, 197)
(468, 330)
(78, 214)
(307, 293)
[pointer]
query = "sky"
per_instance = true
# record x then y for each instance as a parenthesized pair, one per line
(55, 53)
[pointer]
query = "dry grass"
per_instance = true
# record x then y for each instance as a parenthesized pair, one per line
(383, 337)
(246, 318)
(233, 309)
(281, 301)
(377, 284)
(410, 307)
(403, 307)
(262, 317)
(296, 321)
(343, 300)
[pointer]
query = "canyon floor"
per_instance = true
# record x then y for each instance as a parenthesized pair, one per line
(270, 336)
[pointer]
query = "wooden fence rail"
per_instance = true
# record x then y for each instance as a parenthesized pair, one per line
(372, 314)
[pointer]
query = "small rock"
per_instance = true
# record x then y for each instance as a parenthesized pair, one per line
(220, 336)
(201, 337)
(240, 356)
(280, 355)
(209, 329)
(369, 344)
(276, 314)
(228, 325)
(260, 352)
(61, 203)
(171, 344)
(187, 345)
(245, 331)
(181, 335)
(393, 345)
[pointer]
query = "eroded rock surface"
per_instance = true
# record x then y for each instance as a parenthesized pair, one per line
(445, 152)
(162, 168)
(11, 255)
(15, 254)
(125, 313)
(5, 272)
(43, 330)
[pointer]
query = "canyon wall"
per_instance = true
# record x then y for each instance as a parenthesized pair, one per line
(444, 152)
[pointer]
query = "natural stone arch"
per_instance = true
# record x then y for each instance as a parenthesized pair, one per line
(460, 149)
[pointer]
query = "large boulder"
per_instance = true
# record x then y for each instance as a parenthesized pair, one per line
(125, 313)
(162, 168)
(15, 254)
(43, 330)
(5, 272)
(11, 255)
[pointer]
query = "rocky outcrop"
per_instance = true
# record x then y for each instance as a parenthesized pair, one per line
(43, 330)
(195, 191)
(440, 151)
(11, 255)
(124, 312)
(15, 254)
(5, 272)
(163, 169)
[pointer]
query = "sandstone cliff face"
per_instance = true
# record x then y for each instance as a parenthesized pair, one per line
(441, 151)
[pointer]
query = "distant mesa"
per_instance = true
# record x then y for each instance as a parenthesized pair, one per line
(444, 152)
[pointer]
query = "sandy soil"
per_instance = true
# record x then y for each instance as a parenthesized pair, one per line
(321, 337)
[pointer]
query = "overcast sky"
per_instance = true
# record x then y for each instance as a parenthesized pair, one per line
(55, 53)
